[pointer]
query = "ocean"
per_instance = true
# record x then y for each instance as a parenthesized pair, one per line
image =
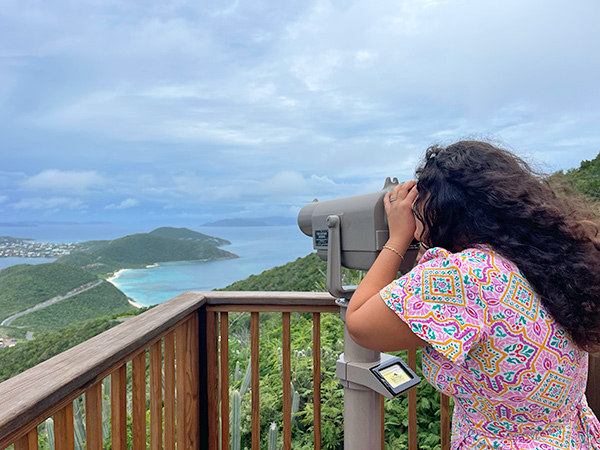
(259, 248)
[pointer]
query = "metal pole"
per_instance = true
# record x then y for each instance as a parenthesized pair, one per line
(362, 406)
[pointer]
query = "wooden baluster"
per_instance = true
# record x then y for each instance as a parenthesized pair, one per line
(156, 420)
(192, 404)
(445, 421)
(118, 407)
(138, 431)
(412, 404)
(212, 377)
(169, 365)
(28, 442)
(93, 417)
(188, 431)
(287, 379)
(317, 380)
(180, 349)
(224, 381)
(254, 356)
(64, 434)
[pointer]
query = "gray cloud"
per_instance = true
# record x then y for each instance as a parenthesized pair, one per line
(242, 106)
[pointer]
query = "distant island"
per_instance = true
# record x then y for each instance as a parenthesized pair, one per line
(247, 222)
(189, 235)
(136, 251)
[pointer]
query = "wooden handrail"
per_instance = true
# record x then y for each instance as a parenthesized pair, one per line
(39, 392)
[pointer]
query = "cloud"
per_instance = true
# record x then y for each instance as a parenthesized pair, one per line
(125, 204)
(254, 105)
(53, 203)
(3, 198)
(64, 181)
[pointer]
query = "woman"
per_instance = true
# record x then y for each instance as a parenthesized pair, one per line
(505, 301)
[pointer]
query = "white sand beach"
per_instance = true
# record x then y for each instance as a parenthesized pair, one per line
(115, 276)
(134, 303)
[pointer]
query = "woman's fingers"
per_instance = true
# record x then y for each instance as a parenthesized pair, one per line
(401, 191)
(401, 195)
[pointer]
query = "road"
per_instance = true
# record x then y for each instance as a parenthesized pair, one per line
(79, 290)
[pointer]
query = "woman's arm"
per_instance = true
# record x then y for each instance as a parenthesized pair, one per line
(370, 322)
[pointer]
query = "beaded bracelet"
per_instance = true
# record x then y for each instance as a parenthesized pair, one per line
(395, 251)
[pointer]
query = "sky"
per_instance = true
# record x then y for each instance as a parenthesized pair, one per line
(178, 113)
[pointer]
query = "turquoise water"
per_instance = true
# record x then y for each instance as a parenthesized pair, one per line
(259, 248)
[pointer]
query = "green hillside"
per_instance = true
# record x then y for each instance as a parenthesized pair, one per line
(585, 178)
(189, 235)
(140, 250)
(91, 263)
(102, 300)
(146, 248)
(16, 359)
(24, 285)
(304, 274)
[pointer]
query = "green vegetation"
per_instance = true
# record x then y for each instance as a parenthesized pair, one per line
(14, 332)
(189, 235)
(146, 248)
(102, 300)
(24, 285)
(582, 180)
(91, 263)
(304, 274)
(16, 359)
(586, 178)
(140, 250)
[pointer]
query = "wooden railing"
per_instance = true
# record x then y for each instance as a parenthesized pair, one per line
(50, 388)
(184, 344)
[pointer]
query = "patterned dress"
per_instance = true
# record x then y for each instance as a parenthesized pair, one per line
(517, 380)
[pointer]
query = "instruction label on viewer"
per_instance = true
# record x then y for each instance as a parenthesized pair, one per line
(321, 238)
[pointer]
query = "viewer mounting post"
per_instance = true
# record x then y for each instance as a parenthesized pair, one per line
(350, 232)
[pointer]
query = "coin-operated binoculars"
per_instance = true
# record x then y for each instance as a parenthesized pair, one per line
(350, 232)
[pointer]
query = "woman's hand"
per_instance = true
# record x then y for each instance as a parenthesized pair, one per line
(398, 207)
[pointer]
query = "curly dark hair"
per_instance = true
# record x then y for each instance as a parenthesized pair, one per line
(473, 192)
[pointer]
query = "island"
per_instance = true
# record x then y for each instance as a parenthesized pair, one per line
(140, 250)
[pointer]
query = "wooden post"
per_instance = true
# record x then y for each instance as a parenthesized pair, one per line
(169, 365)
(254, 356)
(212, 379)
(317, 380)
(93, 417)
(156, 400)
(64, 434)
(186, 344)
(138, 396)
(118, 407)
(224, 381)
(203, 388)
(445, 421)
(593, 384)
(28, 442)
(287, 375)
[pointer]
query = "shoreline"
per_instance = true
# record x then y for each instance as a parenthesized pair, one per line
(134, 303)
(119, 272)
(116, 275)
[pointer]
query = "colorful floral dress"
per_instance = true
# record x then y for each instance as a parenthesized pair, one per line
(517, 380)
